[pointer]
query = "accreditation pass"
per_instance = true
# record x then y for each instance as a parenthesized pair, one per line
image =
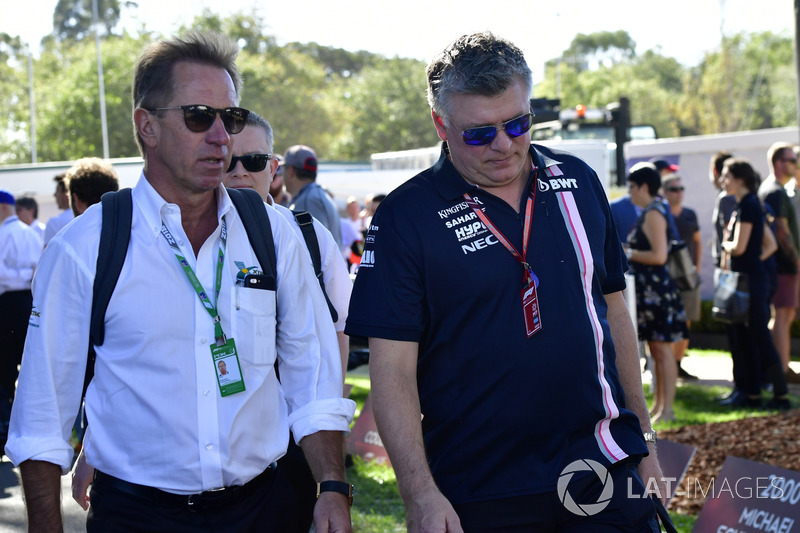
(227, 368)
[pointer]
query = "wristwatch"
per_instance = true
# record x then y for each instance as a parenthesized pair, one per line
(651, 436)
(336, 486)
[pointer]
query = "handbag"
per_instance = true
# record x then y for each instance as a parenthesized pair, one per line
(681, 268)
(731, 297)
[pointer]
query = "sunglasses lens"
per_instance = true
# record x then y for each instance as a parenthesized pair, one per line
(250, 162)
(518, 126)
(199, 117)
(479, 136)
(234, 119)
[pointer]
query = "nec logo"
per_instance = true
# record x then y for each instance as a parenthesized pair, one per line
(558, 184)
(478, 244)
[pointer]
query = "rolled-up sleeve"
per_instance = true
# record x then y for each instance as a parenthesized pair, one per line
(54, 361)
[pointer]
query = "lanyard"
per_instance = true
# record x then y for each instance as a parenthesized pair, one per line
(528, 276)
(219, 336)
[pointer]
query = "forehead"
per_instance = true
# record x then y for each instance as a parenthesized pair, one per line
(252, 139)
(198, 83)
(475, 109)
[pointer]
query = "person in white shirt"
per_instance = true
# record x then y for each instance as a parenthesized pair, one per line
(174, 448)
(28, 212)
(54, 224)
(20, 248)
(252, 167)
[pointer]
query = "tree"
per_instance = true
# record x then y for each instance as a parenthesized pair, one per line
(599, 48)
(73, 19)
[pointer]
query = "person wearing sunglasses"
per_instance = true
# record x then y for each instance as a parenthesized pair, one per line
(688, 228)
(175, 447)
(772, 191)
(252, 166)
(502, 355)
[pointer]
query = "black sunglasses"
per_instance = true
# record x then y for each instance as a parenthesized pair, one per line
(485, 134)
(250, 162)
(199, 118)
(676, 189)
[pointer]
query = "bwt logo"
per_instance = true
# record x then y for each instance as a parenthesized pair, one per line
(557, 184)
(586, 509)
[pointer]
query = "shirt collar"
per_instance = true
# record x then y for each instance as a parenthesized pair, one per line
(451, 185)
(151, 204)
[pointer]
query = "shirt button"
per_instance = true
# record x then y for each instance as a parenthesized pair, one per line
(203, 340)
(209, 446)
(205, 393)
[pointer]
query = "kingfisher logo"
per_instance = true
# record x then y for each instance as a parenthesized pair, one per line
(585, 509)
(557, 184)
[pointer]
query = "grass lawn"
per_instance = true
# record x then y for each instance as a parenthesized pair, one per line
(378, 508)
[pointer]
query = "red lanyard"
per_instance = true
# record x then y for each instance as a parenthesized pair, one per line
(527, 274)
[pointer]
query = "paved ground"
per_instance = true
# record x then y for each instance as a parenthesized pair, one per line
(710, 370)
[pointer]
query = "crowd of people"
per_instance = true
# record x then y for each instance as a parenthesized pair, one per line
(216, 394)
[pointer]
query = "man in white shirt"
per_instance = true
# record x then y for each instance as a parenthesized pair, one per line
(28, 212)
(20, 248)
(54, 224)
(174, 448)
(252, 167)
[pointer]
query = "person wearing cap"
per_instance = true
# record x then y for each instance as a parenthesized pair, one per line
(20, 248)
(300, 178)
(664, 167)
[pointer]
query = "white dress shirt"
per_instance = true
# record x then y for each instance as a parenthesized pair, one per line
(54, 224)
(156, 416)
(20, 248)
(335, 277)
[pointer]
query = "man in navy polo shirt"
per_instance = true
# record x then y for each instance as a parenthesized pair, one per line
(505, 374)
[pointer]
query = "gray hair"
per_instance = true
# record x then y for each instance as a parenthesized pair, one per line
(481, 64)
(254, 119)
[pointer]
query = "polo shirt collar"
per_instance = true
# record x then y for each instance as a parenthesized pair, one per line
(451, 185)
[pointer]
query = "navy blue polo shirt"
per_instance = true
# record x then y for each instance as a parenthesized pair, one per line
(504, 413)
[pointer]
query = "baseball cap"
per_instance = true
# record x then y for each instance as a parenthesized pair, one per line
(662, 164)
(6, 197)
(301, 156)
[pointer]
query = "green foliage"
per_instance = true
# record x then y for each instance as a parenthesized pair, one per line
(72, 19)
(348, 105)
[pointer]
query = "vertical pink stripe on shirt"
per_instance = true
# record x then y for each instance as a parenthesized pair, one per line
(574, 225)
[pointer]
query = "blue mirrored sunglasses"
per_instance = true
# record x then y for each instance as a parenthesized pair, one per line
(485, 134)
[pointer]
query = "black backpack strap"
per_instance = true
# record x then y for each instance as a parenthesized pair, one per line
(114, 238)
(306, 223)
(250, 206)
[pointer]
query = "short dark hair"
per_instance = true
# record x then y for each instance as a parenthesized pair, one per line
(60, 182)
(153, 75)
(480, 63)
(90, 178)
(719, 159)
(741, 168)
(28, 202)
(646, 174)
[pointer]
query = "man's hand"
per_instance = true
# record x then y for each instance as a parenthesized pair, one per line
(41, 483)
(332, 514)
(649, 469)
(431, 513)
(82, 477)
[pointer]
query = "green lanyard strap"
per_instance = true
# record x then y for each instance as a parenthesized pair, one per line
(219, 336)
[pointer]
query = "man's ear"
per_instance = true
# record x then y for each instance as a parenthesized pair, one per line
(438, 121)
(146, 127)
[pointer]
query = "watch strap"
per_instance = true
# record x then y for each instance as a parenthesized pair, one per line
(336, 486)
